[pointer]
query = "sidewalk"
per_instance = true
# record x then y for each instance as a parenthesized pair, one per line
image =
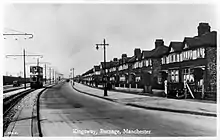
(25, 121)
(153, 103)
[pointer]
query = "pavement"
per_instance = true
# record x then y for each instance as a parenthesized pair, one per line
(25, 121)
(153, 103)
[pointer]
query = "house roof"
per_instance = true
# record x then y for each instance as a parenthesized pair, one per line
(113, 63)
(177, 46)
(107, 65)
(88, 72)
(208, 39)
(147, 54)
(97, 68)
(132, 59)
(157, 52)
(126, 59)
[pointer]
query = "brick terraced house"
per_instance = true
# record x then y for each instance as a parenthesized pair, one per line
(191, 61)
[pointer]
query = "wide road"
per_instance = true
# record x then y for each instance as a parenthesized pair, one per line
(66, 112)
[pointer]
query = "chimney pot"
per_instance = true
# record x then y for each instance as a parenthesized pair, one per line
(115, 59)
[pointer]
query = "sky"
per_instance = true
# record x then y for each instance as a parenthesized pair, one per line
(66, 34)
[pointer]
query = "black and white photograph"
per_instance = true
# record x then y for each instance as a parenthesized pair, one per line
(107, 69)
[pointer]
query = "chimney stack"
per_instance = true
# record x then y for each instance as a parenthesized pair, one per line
(159, 42)
(123, 55)
(203, 28)
(137, 51)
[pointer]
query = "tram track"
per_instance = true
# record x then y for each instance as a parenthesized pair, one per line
(9, 103)
(13, 89)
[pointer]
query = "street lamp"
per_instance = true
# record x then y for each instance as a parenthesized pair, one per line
(105, 77)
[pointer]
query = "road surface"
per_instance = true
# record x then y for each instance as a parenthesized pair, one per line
(66, 112)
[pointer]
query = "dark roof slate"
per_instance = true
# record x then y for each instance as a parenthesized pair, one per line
(177, 46)
(156, 53)
(208, 39)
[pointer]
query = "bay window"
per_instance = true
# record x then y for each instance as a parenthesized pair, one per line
(187, 75)
(137, 79)
(122, 78)
(174, 76)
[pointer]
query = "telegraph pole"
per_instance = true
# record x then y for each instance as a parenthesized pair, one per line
(53, 75)
(72, 72)
(24, 55)
(45, 69)
(24, 70)
(50, 74)
(105, 76)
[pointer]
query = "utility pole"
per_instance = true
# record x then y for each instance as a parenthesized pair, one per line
(105, 76)
(72, 73)
(53, 75)
(24, 55)
(50, 74)
(45, 69)
(24, 70)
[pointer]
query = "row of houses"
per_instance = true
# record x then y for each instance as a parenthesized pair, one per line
(192, 60)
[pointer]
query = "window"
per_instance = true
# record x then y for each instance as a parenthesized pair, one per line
(178, 58)
(122, 78)
(174, 76)
(198, 53)
(150, 62)
(137, 79)
(194, 55)
(181, 57)
(147, 63)
(174, 57)
(168, 59)
(144, 63)
(163, 59)
(112, 79)
(187, 75)
(201, 53)
(190, 54)
(140, 64)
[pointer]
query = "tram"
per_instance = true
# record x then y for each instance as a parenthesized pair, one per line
(36, 77)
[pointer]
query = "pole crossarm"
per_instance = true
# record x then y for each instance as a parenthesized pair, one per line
(23, 55)
(19, 34)
(102, 44)
(40, 63)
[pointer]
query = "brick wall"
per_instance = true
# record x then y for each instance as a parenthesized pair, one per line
(156, 67)
(211, 81)
(211, 54)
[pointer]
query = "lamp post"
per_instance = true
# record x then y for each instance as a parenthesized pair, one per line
(105, 77)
